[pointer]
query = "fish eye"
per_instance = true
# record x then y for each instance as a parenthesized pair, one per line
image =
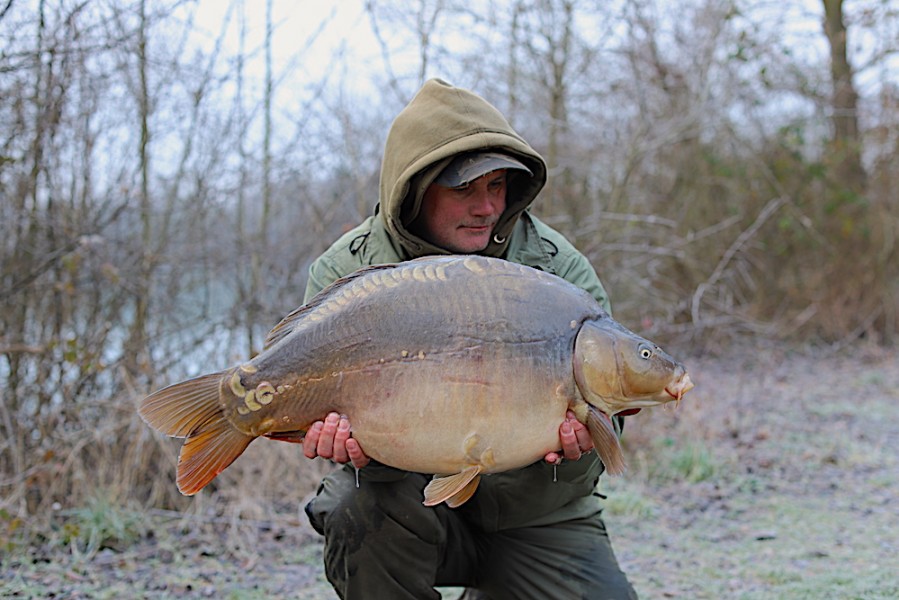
(645, 352)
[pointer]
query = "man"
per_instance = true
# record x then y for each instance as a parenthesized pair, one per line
(456, 178)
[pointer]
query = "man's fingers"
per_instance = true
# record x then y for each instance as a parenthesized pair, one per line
(325, 447)
(570, 448)
(340, 440)
(355, 453)
(574, 438)
(332, 439)
(584, 441)
(310, 442)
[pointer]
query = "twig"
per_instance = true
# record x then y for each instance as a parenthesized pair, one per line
(855, 333)
(770, 208)
(22, 349)
(6, 9)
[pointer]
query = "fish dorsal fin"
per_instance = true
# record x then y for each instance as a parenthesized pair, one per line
(455, 490)
(605, 440)
(290, 322)
(207, 452)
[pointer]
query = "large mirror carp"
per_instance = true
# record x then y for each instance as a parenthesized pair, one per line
(454, 366)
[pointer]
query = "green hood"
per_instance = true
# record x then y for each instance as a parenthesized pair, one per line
(440, 122)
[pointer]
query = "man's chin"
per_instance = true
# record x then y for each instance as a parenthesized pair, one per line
(471, 243)
(469, 248)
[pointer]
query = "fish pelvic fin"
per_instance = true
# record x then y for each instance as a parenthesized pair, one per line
(465, 494)
(605, 440)
(455, 490)
(192, 409)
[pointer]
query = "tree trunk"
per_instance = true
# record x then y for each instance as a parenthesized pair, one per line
(846, 144)
(137, 354)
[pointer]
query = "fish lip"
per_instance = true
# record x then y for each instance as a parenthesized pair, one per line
(682, 387)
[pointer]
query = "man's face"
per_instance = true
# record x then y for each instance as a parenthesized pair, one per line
(461, 219)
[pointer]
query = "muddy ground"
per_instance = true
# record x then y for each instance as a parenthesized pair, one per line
(778, 477)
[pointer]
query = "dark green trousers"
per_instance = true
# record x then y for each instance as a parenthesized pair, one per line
(381, 542)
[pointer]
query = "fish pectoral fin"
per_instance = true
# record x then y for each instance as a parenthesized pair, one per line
(294, 437)
(207, 452)
(455, 490)
(605, 440)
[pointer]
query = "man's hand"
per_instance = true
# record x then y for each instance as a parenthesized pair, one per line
(575, 440)
(331, 439)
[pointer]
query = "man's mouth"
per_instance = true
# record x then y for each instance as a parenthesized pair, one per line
(478, 227)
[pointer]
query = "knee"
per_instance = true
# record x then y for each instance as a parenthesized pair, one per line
(341, 511)
(337, 507)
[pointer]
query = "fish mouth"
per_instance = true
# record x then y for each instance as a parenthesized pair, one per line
(683, 386)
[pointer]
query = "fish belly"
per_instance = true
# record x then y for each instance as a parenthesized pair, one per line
(440, 415)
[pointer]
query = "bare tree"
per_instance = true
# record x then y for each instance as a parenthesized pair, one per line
(847, 141)
(137, 354)
(419, 19)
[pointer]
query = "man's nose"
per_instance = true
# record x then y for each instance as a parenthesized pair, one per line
(482, 203)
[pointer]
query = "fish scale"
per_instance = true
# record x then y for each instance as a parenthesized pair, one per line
(453, 366)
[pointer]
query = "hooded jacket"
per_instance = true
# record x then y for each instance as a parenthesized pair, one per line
(440, 122)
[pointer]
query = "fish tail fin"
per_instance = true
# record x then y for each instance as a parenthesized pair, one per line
(181, 408)
(207, 452)
(455, 490)
(605, 440)
(192, 409)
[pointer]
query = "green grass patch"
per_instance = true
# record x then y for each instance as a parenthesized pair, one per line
(629, 501)
(692, 462)
(12, 531)
(101, 523)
